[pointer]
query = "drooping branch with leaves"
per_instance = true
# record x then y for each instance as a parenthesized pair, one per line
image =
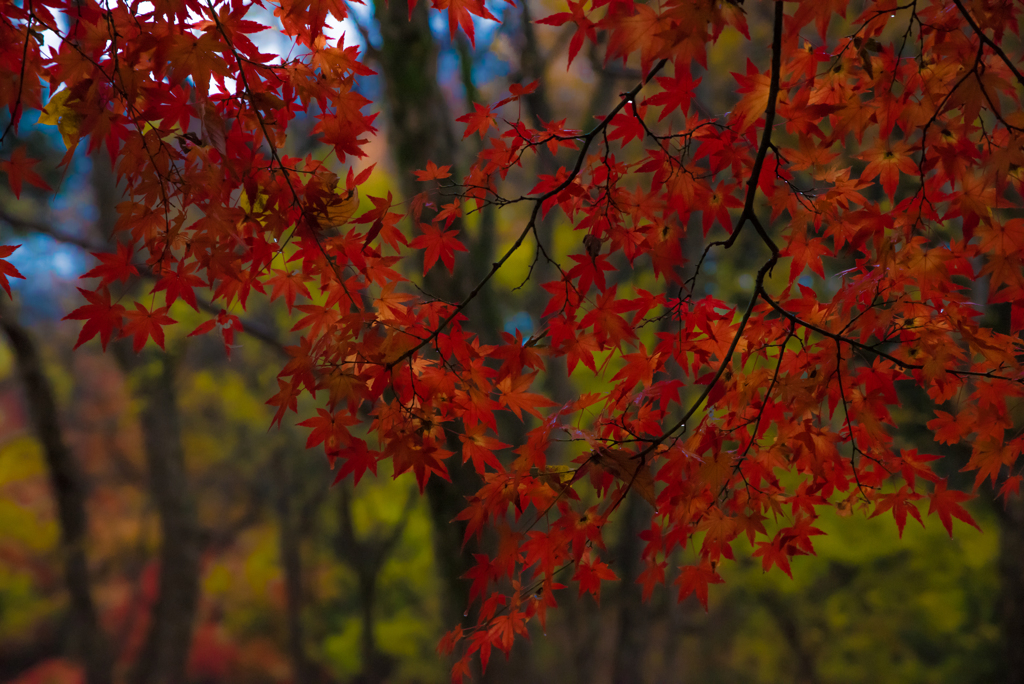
(869, 172)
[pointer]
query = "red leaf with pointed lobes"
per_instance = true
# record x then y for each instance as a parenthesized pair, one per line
(888, 160)
(694, 579)
(478, 121)
(805, 253)
(913, 464)
(754, 87)
(8, 269)
(286, 399)
(518, 89)
(950, 429)
(988, 456)
(590, 573)
(101, 317)
(227, 323)
(590, 271)
(900, 503)
(1011, 487)
(356, 459)
(327, 427)
(676, 92)
(636, 27)
(650, 577)
(513, 394)
(377, 216)
(947, 504)
(628, 124)
(19, 168)
(113, 267)
(773, 553)
(629, 468)
(143, 324)
(584, 27)
(575, 346)
(439, 244)
(434, 172)
(461, 12)
(180, 282)
(479, 448)
(288, 284)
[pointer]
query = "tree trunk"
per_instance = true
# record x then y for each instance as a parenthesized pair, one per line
(420, 129)
(634, 615)
(89, 642)
(367, 557)
(291, 563)
(1011, 570)
(164, 656)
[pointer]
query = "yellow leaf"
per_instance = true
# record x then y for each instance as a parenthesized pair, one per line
(68, 121)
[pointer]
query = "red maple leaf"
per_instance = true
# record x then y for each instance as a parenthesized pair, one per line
(806, 252)
(101, 317)
(288, 284)
(142, 324)
(7, 268)
(356, 459)
(479, 120)
(180, 282)
(694, 579)
(947, 504)
(887, 160)
(900, 503)
(434, 172)
(584, 27)
(228, 324)
(676, 92)
(439, 244)
(115, 267)
(772, 553)
(461, 12)
(19, 168)
(327, 427)
(513, 394)
(589, 574)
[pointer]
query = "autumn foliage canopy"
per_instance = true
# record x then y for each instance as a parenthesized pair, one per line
(870, 173)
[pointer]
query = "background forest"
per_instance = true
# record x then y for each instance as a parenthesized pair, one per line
(275, 576)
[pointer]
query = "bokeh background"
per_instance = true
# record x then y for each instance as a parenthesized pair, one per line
(274, 575)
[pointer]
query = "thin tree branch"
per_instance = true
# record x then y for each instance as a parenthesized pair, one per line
(988, 41)
(538, 202)
(250, 327)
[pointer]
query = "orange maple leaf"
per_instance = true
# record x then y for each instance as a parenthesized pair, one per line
(513, 394)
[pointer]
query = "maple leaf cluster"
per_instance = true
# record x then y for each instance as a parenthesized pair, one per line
(881, 151)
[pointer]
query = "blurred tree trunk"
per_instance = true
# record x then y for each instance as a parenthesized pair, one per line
(89, 643)
(633, 614)
(291, 563)
(785, 616)
(367, 557)
(420, 129)
(1011, 570)
(164, 655)
(419, 121)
